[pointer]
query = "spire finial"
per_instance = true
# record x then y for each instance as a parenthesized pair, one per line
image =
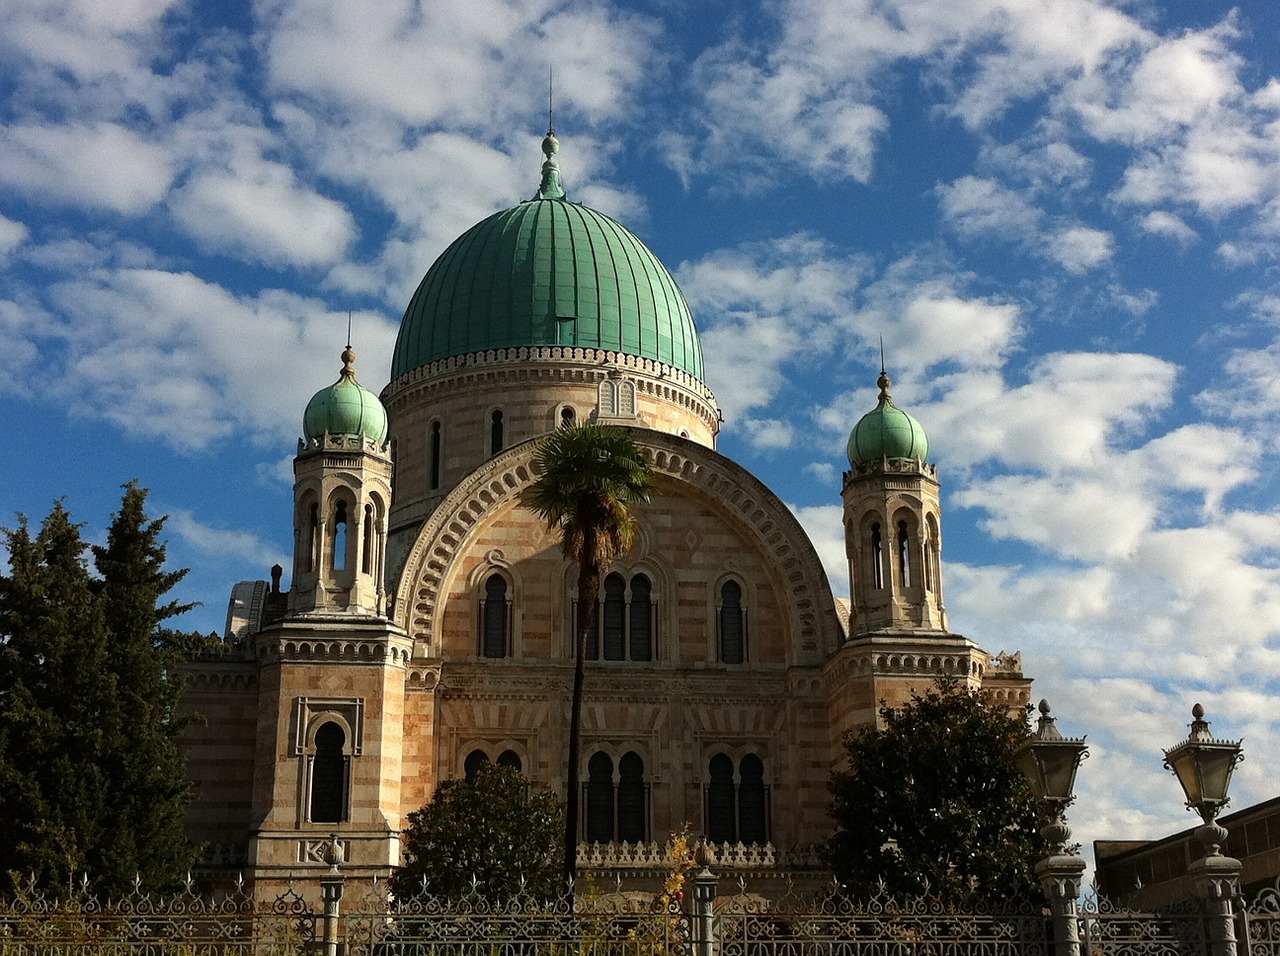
(550, 187)
(349, 354)
(883, 380)
(551, 126)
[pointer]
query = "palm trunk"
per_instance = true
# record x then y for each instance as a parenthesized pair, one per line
(588, 588)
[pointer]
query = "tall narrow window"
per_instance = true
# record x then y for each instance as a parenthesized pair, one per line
(494, 636)
(600, 799)
(340, 537)
(753, 801)
(475, 760)
(615, 603)
(495, 432)
(395, 457)
(433, 456)
(313, 536)
(721, 812)
(366, 546)
(904, 555)
(632, 795)
(641, 619)
(329, 776)
(877, 557)
(733, 645)
(737, 810)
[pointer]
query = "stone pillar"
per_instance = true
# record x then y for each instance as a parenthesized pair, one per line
(331, 885)
(1217, 881)
(1059, 877)
(704, 897)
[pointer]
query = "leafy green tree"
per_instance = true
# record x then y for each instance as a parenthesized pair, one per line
(589, 478)
(932, 801)
(94, 782)
(491, 836)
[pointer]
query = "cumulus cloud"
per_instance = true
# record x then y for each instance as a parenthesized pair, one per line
(96, 166)
(163, 355)
(214, 542)
(12, 235)
(1161, 223)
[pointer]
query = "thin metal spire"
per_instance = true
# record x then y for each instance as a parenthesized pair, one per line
(882, 354)
(348, 328)
(551, 126)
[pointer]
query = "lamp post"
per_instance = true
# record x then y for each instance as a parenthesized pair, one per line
(1049, 762)
(1203, 767)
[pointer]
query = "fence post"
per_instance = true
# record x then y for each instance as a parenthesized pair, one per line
(331, 892)
(1217, 882)
(704, 897)
(1060, 879)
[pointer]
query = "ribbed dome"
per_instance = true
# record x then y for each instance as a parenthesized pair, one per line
(547, 272)
(345, 408)
(886, 432)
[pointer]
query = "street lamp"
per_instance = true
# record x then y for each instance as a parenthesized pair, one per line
(1049, 762)
(1203, 766)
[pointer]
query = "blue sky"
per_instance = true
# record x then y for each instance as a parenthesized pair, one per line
(1063, 217)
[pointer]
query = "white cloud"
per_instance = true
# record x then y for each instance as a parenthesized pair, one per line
(981, 206)
(1080, 248)
(769, 433)
(12, 235)
(258, 210)
(1161, 223)
(163, 355)
(96, 166)
(222, 542)
(824, 524)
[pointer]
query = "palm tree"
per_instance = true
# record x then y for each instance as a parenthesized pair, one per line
(589, 476)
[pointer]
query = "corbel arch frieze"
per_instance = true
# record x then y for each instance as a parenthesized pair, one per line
(497, 481)
(794, 560)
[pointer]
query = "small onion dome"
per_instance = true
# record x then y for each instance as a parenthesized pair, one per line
(886, 432)
(345, 408)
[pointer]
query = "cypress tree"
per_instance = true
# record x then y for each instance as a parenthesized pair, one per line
(87, 710)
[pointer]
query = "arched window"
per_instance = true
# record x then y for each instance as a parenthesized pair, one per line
(615, 609)
(632, 799)
(721, 811)
(732, 624)
(640, 624)
(475, 760)
(433, 455)
(366, 546)
(904, 555)
(509, 758)
(737, 811)
(329, 776)
(877, 557)
(495, 617)
(495, 432)
(622, 629)
(340, 537)
(567, 417)
(313, 536)
(599, 799)
(753, 801)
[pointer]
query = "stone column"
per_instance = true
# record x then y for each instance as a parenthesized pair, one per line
(704, 897)
(1217, 881)
(331, 885)
(1059, 877)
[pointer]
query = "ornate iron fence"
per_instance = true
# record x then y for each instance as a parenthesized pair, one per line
(189, 923)
(735, 923)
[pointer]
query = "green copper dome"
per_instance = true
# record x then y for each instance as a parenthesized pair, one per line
(886, 432)
(345, 408)
(544, 273)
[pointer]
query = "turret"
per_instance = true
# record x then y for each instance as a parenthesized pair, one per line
(341, 494)
(892, 524)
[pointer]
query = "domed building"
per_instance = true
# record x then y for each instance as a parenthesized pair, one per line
(430, 619)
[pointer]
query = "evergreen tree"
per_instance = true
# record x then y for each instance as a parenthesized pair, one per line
(93, 779)
(490, 836)
(932, 801)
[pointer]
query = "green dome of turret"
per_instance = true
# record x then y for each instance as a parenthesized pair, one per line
(345, 408)
(886, 432)
(547, 272)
